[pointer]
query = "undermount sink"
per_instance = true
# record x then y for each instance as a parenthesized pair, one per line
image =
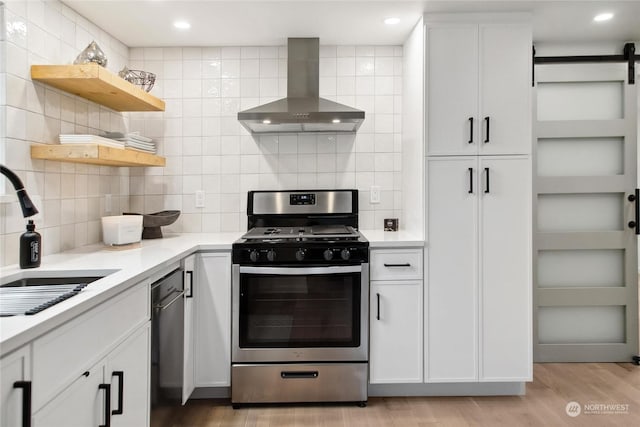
(30, 292)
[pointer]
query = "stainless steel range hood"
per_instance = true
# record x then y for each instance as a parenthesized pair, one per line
(302, 110)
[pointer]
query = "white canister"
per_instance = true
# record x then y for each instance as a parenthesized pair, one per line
(121, 229)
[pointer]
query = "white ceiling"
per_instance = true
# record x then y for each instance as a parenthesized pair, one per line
(263, 22)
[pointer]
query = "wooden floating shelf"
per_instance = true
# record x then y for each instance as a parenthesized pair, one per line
(95, 154)
(97, 84)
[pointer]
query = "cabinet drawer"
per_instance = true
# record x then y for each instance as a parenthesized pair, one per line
(396, 264)
(61, 356)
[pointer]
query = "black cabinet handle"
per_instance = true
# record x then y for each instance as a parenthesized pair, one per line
(470, 130)
(190, 273)
(298, 374)
(107, 404)
(406, 264)
(635, 198)
(486, 189)
(120, 376)
(26, 401)
(486, 120)
(378, 315)
(470, 181)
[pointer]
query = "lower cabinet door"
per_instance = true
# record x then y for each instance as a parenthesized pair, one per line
(82, 404)
(395, 332)
(212, 319)
(15, 395)
(128, 373)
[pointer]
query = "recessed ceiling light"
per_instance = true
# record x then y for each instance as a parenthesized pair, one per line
(266, 121)
(391, 21)
(335, 121)
(182, 25)
(603, 17)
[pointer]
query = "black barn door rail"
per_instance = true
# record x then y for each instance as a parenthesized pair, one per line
(628, 55)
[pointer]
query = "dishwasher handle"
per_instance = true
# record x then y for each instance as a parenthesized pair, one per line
(161, 306)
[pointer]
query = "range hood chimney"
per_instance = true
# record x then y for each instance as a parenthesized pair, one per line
(302, 110)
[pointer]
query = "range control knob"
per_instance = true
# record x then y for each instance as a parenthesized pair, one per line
(328, 255)
(300, 253)
(345, 254)
(253, 255)
(271, 255)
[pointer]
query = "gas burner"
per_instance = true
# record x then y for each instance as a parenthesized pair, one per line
(284, 231)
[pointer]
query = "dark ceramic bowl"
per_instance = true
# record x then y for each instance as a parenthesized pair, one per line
(151, 223)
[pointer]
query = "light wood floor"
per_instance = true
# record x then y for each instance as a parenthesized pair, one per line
(554, 385)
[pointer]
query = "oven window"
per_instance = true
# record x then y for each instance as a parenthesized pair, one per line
(278, 311)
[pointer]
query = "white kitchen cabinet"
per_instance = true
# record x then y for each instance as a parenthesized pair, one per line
(117, 388)
(128, 372)
(62, 354)
(452, 270)
(212, 319)
(505, 271)
(478, 74)
(15, 387)
(81, 369)
(395, 324)
(188, 368)
(479, 269)
(81, 404)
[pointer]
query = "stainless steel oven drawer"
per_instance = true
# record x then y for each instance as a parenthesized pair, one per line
(323, 382)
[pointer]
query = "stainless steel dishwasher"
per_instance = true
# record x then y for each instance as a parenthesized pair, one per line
(167, 338)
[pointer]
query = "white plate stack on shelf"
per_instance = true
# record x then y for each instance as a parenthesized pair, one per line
(90, 139)
(134, 141)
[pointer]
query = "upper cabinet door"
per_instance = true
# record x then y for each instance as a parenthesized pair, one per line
(505, 89)
(452, 89)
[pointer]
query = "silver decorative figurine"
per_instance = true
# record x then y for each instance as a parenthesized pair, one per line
(92, 53)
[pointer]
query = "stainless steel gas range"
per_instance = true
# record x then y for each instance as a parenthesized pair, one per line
(300, 293)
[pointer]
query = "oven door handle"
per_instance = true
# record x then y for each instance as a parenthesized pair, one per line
(299, 271)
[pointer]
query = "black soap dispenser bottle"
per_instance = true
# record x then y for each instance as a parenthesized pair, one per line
(30, 247)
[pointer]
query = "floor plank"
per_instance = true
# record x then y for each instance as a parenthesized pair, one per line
(554, 385)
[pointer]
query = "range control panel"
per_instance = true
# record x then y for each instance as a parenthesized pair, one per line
(302, 199)
(316, 253)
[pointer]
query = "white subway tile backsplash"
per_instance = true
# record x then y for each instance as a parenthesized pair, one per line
(230, 68)
(250, 68)
(384, 85)
(205, 147)
(345, 51)
(345, 66)
(365, 66)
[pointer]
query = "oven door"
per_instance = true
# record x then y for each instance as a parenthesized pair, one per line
(296, 314)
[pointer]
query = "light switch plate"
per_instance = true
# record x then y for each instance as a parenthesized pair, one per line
(199, 199)
(107, 203)
(374, 195)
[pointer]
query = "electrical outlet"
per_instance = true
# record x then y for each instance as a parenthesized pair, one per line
(374, 194)
(107, 203)
(199, 199)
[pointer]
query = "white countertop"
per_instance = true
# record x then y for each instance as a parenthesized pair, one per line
(393, 239)
(132, 265)
(127, 267)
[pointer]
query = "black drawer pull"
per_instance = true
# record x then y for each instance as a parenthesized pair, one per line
(107, 404)
(190, 273)
(26, 401)
(486, 120)
(120, 375)
(406, 264)
(487, 190)
(287, 375)
(378, 314)
(470, 130)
